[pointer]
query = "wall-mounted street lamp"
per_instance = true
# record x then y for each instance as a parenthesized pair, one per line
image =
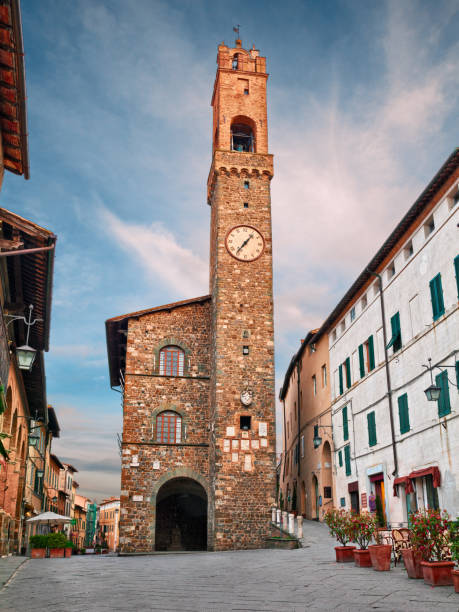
(25, 353)
(433, 392)
(317, 439)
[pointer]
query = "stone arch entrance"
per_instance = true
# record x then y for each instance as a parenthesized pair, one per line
(181, 515)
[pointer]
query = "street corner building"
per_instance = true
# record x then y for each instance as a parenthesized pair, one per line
(197, 376)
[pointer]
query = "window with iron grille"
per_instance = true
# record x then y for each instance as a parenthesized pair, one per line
(169, 427)
(327, 493)
(171, 361)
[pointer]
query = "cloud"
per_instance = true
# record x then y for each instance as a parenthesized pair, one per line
(344, 172)
(88, 442)
(161, 255)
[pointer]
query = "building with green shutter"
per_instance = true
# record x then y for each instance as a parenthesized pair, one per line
(401, 311)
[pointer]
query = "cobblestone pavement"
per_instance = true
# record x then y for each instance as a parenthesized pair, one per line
(284, 581)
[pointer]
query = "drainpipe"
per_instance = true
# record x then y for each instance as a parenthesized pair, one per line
(386, 361)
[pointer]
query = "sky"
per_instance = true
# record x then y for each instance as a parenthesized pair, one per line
(362, 108)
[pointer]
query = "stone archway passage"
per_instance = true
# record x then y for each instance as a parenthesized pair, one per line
(181, 516)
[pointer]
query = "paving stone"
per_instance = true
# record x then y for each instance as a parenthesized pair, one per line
(256, 580)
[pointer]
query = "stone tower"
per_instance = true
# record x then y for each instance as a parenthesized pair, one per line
(197, 376)
(242, 403)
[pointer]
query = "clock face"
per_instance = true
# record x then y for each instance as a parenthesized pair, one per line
(245, 243)
(246, 398)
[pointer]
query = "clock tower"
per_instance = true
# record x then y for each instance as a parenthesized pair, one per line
(242, 402)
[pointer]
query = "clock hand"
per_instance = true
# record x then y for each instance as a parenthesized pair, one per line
(244, 243)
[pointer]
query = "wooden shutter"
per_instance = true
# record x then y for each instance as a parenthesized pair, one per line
(361, 361)
(371, 354)
(341, 387)
(345, 424)
(403, 414)
(444, 404)
(348, 372)
(396, 340)
(340, 458)
(347, 459)
(436, 295)
(371, 420)
(456, 270)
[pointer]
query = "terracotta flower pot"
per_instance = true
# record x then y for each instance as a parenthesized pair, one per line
(438, 573)
(68, 552)
(380, 556)
(412, 562)
(38, 553)
(455, 575)
(56, 553)
(344, 554)
(362, 557)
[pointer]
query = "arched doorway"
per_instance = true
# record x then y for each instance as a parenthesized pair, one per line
(327, 485)
(315, 499)
(181, 516)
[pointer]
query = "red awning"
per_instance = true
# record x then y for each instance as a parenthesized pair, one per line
(377, 477)
(407, 480)
(432, 471)
(403, 480)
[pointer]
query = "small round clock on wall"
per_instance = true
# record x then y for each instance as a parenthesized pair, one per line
(245, 243)
(246, 397)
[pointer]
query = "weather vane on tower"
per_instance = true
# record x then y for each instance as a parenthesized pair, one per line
(236, 29)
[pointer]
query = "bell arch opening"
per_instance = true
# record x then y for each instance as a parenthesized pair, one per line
(243, 135)
(181, 516)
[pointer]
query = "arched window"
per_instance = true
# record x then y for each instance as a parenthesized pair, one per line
(242, 138)
(169, 427)
(235, 61)
(171, 361)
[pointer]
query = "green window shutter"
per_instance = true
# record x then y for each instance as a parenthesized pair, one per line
(348, 373)
(436, 295)
(371, 354)
(347, 459)
(340, 458)
(403, 414)
(361, 361)
(456, 269)
(371, 428)
(341, 387)
(396, 340)
(444, 405)
(345, 424)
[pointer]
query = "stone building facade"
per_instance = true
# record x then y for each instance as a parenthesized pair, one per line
(198, 448)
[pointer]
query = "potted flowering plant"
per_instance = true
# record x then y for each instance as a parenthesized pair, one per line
(380, 553)
(338, 523)
(413, 555)
(362, 527)
(454, 537)
(436, 567)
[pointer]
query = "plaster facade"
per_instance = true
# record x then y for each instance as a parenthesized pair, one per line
(366, 459)
(306, 467)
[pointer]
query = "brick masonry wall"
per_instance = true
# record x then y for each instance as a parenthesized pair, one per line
(243, 463)
(146, 394)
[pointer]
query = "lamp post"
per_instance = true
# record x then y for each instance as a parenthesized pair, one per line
(25, 353)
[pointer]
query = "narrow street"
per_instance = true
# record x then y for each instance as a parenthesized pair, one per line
(304, 579)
